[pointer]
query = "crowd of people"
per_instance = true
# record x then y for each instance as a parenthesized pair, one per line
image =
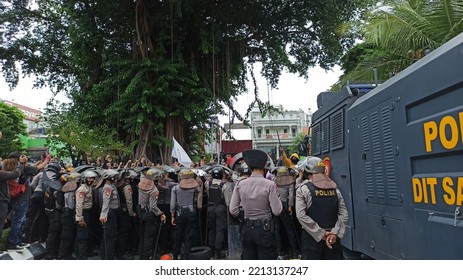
(139, 210)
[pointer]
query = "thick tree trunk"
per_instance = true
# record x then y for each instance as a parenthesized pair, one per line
(144, 141)
(174, 128)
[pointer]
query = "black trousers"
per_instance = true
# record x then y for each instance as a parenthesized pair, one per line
(125, 228)
(313, 250)
(82, 237)
(109, 239)
(95, 229)
(184, 231)
(258, 244)
(166, 239)
(217, 223)
(149, 228)
(68, 234)
(54, 234)
(36, 225)
(284, 222)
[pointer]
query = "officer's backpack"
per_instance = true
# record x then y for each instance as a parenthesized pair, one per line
(53, 198)
(215, 193)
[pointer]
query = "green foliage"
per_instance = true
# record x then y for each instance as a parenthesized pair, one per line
(12, 125)
(295, 146)
(398, 34)
(154, 69)
(65, 128)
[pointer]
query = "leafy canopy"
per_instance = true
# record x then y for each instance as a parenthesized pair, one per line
(157, 69)
(12, 125)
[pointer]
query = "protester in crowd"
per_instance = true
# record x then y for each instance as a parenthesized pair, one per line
(19, 205)
(11, 171)
(291, 161)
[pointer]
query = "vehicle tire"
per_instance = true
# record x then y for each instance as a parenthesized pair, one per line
(351, 255)
(201, 253)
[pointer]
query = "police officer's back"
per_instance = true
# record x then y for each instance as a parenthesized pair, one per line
(258, 199)
(321, 211)
(217, 211)
(186, 198)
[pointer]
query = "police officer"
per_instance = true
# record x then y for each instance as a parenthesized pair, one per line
(150, 215)
(126, 215)
(216, 211)
(54, 203)
(110, 206)
(67, 217)
(321, 211)
(84, 204)
(186, 200)
(258, 199)
(285, 183)
(36, 217)
(165, 186)
(135, 233)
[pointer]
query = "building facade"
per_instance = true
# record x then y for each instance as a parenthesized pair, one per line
(35, 127)
(272, 131)
(35, 140)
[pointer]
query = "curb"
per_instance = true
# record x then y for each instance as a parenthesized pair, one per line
(34, 252)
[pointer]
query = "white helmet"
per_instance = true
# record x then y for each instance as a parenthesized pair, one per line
(314, 165)
(110, 174)
(89, 174)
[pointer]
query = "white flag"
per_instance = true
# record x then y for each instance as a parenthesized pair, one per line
(179, 153)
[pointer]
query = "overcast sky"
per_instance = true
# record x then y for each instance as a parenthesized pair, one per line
(293, 92)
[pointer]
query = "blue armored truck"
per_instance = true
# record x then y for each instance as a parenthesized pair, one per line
(396, 153)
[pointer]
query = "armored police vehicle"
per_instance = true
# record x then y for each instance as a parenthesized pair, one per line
(396, 154)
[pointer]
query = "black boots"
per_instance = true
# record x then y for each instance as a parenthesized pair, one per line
(218, 255)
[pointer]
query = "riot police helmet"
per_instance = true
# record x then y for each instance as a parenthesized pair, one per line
(314, 165)
(217, 172)
(53, 167)
(153, 174)
(124, 174)
(110, 174)
(244, 169)
(89, 174)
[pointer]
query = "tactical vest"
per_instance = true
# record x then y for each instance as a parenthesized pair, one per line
(215, 193)
(134, 195)
(324, 208)
(96, 199)
(185, 203)
(122, 200)
(164, 195)
(53, 198)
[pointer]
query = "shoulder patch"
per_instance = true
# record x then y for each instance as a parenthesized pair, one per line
(107, 192)
(129, 189)
(81, 194)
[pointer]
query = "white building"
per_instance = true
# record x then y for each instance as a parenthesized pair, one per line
(271, 131)
(35, 127)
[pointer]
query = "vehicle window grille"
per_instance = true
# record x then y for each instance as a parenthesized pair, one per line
(325, 136)
(316, 139)
(337, 130)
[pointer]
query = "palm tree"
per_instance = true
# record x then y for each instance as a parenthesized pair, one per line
(400, 32)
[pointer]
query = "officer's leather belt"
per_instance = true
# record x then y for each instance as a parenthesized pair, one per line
(215, 203)
(256, 223)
